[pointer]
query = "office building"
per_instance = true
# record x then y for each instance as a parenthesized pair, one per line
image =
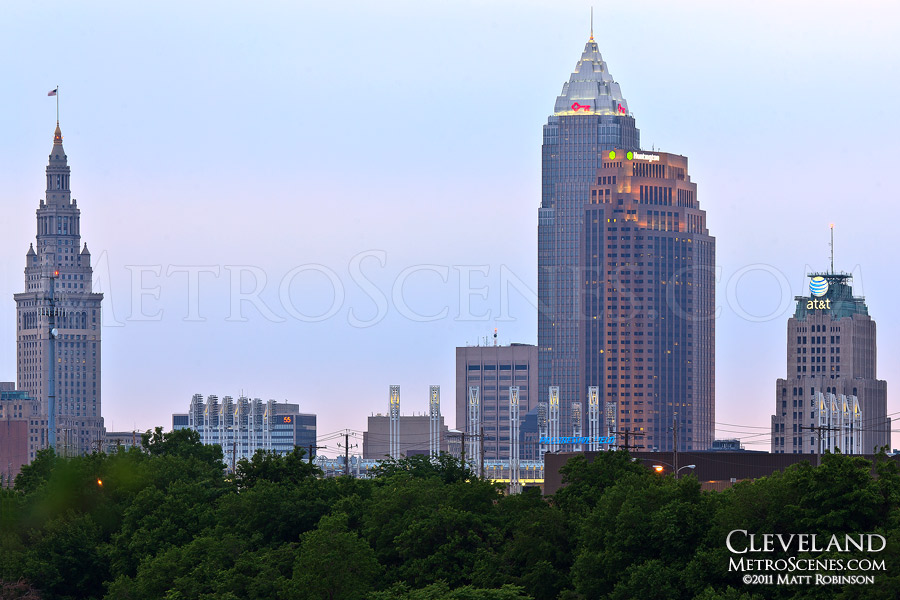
(23, 430)
(396, 436)
(181, 421)
(242, 426)
(625, 273)
(590, 117)
(831, 398)
(415, 436)
(492, 370)
(114, 441)
(648, 336)
(59, 313)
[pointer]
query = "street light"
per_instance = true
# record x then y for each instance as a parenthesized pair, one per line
(659, 467)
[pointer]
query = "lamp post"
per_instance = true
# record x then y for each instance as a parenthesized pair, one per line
(658, 467)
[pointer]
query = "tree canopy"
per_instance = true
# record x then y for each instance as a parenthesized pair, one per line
(168, 521)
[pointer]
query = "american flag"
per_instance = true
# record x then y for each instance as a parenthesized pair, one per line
(52, 92)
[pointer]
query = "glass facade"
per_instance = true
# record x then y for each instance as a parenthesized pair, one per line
(648, 295)
(305, 432)
(590, 118)
(626, 279)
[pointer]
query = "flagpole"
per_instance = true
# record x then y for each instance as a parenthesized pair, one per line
(57, 104)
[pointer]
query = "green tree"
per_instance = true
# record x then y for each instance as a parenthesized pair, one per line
(640, 525)
(183, 443)
(275, 467)
(33, 475)
(334, 564)
(538, 542)
(445, 467)
(156, 520)
(65, 560)
(402, 507)
(586, 481)
(442, 591)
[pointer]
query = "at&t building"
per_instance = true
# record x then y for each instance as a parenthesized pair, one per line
(831, 398)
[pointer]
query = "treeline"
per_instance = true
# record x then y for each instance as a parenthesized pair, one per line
(168, 523)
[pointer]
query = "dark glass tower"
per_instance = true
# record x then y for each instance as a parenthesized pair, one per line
(626, 273)
(58, 281)
(589, 119)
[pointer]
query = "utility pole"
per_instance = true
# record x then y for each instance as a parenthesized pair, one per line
(481, 451)
(51, 383)
(347, 452)
(311, 448)
(675, 443)
(818, 429)
(627, 435)
(462, 447)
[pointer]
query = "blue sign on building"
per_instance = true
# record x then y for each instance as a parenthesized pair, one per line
(578, 440)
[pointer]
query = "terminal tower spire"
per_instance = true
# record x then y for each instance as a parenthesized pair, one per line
(58, 193)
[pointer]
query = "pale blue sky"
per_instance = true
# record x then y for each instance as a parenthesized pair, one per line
(283, 134)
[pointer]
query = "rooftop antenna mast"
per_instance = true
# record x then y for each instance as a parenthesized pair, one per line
(592, 23)
(832, 248)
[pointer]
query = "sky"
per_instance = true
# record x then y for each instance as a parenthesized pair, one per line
(372, 170)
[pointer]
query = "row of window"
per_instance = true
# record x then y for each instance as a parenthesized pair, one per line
(819, 369)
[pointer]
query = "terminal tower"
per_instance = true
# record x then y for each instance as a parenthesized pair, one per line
(58, 318)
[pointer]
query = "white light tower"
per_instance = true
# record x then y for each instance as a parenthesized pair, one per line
(593, 417)
(542, 429)
(576, 426)
(553, 418)
(610, 420)
(474, 449)
(268, 424)
(395, 422)
(434, 420)
(514, 487)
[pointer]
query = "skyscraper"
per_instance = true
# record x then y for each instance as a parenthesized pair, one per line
(648, 337)
(577, 294)
(58, 291)
(831, 351)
